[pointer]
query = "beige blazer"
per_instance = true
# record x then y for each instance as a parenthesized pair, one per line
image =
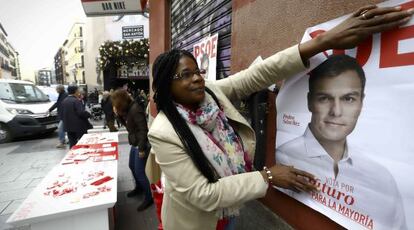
(190, 200)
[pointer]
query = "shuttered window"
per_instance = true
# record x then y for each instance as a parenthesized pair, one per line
(193, 20)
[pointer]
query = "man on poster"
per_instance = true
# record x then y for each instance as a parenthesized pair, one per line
(351, 184)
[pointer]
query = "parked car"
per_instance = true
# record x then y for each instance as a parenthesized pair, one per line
(24, 110)
(50, 91)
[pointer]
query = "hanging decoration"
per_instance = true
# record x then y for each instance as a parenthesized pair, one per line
(124, 53)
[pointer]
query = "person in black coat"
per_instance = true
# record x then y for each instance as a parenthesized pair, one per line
(74, 116)
(106, 105)
(132, 115)
(60, 89)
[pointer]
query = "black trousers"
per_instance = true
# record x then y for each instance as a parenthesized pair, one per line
(74, 138)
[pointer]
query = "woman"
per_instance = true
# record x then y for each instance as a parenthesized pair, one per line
(132, 115)
(205, 147)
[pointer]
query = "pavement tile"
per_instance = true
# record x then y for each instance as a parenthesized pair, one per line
(3, 205)
(34, 183)
(31, 175)
(15, 194)
(40, 164)
(9, 177)
(12, 207)
(126, 185)
(7, 149)
(5, 226)
(8, 186)
(34, 173)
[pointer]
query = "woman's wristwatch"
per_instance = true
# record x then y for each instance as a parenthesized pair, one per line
(269, 174)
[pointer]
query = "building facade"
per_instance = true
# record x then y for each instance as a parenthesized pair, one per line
(61, 64)
(45, 77)
(9, 58)
(74, 55)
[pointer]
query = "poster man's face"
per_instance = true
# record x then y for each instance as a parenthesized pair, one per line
(335, 104)
(204, 65)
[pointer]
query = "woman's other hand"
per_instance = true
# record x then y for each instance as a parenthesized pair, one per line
(291, 178)
(349, 33)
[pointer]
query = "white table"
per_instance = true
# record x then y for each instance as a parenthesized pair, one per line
(73, 196)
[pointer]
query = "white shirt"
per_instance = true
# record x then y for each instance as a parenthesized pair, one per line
(364, 194)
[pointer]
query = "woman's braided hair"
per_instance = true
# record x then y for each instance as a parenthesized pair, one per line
(164, 68)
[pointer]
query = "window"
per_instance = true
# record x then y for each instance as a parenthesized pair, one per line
(80, 31)
(21, 93)
(83, 61)
(6, 92)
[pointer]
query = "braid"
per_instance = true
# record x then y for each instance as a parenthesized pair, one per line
(163, 70)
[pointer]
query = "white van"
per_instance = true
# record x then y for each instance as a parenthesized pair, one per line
(24, 110)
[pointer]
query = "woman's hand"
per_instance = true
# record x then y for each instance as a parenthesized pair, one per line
(363, 23)
(291, 178)
(141, 154)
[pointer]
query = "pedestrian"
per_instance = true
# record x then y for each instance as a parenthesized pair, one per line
(132, 116)
(106, 104)
(205, 147)
(83, 96)
(60, 89)
(74, 116)
(143, 97)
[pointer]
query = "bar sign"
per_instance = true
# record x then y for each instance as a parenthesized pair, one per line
(113, 6)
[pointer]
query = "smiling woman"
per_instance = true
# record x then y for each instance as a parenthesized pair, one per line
(187, 86)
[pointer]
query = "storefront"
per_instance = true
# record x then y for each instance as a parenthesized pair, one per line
(125, 64)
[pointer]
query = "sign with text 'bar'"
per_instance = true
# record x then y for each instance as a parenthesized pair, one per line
(113, 7)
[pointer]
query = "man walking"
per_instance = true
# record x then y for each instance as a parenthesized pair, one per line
(60, 89)
(74, 116)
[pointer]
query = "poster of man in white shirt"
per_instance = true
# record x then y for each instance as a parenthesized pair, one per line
(352, 128)
(345, 176)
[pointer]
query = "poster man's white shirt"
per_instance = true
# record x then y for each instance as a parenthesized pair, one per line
(361, 187)
(383, 134)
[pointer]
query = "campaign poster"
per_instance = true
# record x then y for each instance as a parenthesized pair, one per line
(353, 129)
(205, 52)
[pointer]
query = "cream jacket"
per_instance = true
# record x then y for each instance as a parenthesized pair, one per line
(190, 200)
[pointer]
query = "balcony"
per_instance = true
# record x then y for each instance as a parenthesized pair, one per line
(79, 65)
(6, 67)
(79, 49)
(4, 51)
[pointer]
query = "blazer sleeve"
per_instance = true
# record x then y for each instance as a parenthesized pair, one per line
(185, 178)
(281, 65)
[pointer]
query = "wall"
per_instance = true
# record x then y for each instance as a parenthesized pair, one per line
(94, 37)
(74, 67)
(160, 35)
(263, 28)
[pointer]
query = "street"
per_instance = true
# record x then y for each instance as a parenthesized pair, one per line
(24, 163)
